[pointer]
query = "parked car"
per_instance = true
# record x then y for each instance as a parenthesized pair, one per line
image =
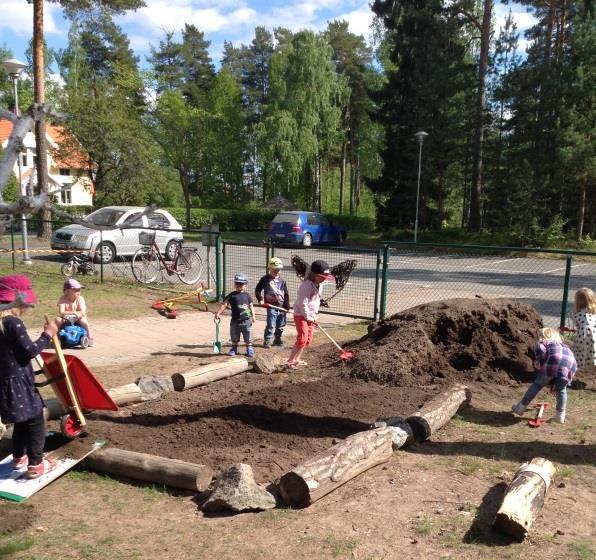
(304, 228)
(124, 240)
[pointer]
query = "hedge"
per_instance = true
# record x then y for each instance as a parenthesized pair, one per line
(257, 220)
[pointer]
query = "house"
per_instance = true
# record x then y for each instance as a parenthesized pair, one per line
(65, 171)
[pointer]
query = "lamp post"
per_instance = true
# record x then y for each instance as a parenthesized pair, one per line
(420, 136)
(14, 68)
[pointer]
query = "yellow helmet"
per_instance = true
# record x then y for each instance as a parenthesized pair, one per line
(274, 262)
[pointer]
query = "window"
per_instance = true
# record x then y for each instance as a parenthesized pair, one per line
(313, 220)
(66, 196)
(64, 172)
(134, 220)
(24, 160)
(159, 221)
(324, 221)
(286, 218)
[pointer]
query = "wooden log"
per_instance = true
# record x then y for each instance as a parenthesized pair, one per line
(335, 466)
(150, 468)
(208, 373)
(438, 411)
(524, 498)
(126, 394)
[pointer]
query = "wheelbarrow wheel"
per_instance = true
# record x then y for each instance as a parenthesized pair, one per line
(70, 427)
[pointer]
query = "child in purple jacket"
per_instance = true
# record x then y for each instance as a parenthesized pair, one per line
(557, 368)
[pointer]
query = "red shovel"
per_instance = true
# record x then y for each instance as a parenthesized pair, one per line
(345, 354)
(537, 421)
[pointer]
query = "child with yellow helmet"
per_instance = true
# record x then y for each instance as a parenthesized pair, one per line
(273, 290)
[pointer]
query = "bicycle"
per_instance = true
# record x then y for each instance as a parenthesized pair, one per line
(78, 264)
(148, 261)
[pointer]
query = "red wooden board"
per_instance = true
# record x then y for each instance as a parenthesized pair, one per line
(89, 391)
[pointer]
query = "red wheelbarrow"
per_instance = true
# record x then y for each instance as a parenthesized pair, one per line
(76, 388)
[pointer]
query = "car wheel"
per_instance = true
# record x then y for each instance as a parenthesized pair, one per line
(171, 250)
(307, 240)
(106, 252)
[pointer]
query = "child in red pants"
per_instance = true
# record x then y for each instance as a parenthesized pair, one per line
(308, 302)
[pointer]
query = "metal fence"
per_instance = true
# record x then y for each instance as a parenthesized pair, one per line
(359, 298)
(414, 274)
(385, 281)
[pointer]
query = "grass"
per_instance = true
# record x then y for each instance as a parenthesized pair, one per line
(339, 546)
(13, 545)
(422, 526)
(581, 550)
(582, 431)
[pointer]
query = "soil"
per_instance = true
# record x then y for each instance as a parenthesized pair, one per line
(450, 341)
(16, 517)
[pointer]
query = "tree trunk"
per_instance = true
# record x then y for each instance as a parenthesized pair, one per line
(581, 212)
(342, 176)
(335, 466)
(474, 223)
(524, 498)
(186, 194)
(211, 372)
(319, 184)
(126, 394)
(45, 228)
(438, 411)
(150, 468)
(351, 187)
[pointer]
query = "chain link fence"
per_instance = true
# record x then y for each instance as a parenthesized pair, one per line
(385, 281)
(545, 279)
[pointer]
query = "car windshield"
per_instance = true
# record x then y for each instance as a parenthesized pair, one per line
(105, 217)
(286, 218)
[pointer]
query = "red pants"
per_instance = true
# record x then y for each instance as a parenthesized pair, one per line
(305, 331)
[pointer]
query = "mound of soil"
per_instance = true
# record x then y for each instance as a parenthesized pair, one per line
(16, 517)
(449, 341)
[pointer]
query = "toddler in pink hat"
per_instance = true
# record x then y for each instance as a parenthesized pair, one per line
(72, 307)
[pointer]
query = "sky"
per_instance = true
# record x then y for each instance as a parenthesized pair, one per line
(231, 20)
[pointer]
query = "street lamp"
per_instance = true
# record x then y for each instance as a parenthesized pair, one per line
(420, 136)
(14, 68)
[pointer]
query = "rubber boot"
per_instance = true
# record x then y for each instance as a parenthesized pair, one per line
(518, 409)
(560, 417)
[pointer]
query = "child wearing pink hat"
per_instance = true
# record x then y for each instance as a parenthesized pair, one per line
(72, 307)
(20, 402)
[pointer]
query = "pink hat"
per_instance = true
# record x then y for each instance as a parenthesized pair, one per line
(11, 286)
(72, 284)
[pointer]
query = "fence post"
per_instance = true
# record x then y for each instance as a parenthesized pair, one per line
(268, 254)
(377, 282)
(566, 290)
(384, 282)
(219, 270)
(100, 256)
(14, 264)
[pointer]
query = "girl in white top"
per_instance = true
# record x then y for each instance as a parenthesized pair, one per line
(72, 305)
(584, 318)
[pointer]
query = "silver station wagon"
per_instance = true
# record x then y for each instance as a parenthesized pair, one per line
(124, 239)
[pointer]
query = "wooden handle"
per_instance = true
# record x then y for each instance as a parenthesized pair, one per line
(329, 337)
(71, 392)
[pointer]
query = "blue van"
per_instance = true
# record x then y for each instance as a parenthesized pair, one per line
(304, 228)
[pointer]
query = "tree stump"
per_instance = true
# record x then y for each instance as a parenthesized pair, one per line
(524, 498)
(211, 372)
(327, 471)
(150, 468)
(438, 411)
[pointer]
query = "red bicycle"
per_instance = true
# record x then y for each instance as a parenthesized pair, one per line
(148, 262)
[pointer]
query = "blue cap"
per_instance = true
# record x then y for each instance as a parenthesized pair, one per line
(240, 279)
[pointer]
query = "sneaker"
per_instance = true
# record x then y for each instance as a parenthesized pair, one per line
(90, 344)
(278, 342)
(232, 351)
(250, 352)
(19, 463)
(518, 409)
(560, 417)
(267, 344)
(47, 465)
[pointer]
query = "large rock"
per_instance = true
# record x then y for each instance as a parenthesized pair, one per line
(270, 362)
(236, 490)
(155, 385)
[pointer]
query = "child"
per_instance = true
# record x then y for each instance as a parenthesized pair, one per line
(272, 289)
(20, 402)
(557, 368)
(308, 301)
(72, 305)
(584, 319)
(243, 315)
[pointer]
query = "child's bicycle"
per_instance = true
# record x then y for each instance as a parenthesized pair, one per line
(148, 262)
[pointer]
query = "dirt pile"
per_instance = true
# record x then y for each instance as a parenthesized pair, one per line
(450, 340)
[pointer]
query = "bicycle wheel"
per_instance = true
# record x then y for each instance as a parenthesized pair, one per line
(68, 269)
(145, 265)
(189, 265)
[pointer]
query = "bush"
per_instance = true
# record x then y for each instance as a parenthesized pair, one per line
(228, 220)
(353, 223)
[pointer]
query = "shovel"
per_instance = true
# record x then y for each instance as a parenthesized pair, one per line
(217, 342)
